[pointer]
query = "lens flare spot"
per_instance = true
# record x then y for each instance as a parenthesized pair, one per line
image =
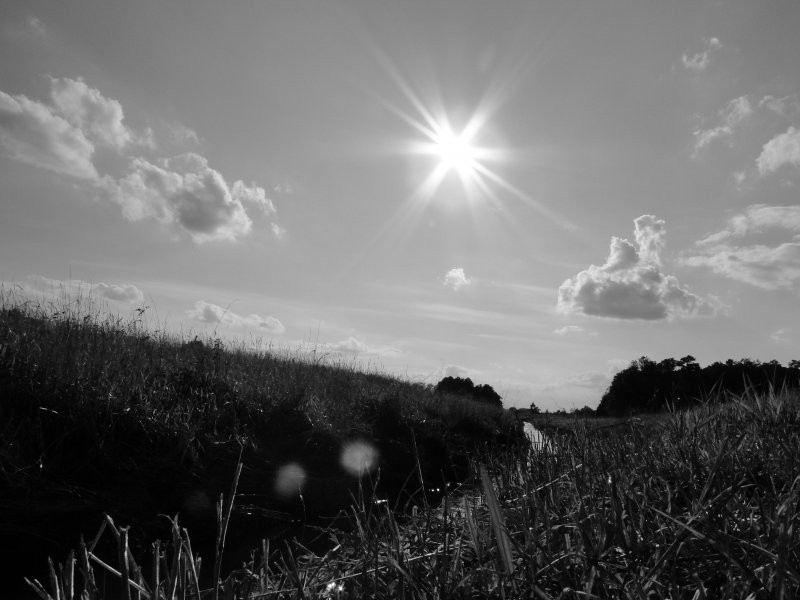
(359, 458)
(289, 480)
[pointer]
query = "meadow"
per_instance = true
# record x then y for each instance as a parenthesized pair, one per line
(105, 416)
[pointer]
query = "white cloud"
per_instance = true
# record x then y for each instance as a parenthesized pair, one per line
(181, 134)
(456, 279)
(757, 218)
(569, 329)
(699, 62)
(780, 336)
(353, 345)
(184, 192)
(783, 149)
(733, 115)
(649, 233)
(33, 133)
(630, 284)
(120, 293)
(786, 106)
(772, 263)
(206, 312)
(36, 26)
(85, 108)
(768, 267)
(456, 371)
(39, 286)
(254, 196)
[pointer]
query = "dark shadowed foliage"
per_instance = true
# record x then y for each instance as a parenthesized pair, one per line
(457, 386)
(649, 386)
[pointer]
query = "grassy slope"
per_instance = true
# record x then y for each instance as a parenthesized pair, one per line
(691, 505)
(100, 414)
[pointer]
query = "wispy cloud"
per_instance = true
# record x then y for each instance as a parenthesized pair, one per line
(700, 61)
(780, 336)
(456, 279)
(36, 26)
(772, 263)
(206, 312)
(569, 330)
(732, 116)
(631, 284)
(353, 345)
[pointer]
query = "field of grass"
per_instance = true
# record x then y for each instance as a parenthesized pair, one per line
(100, 414)
(696, 504)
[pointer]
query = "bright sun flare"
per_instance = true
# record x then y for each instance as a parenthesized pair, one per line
(455, 151)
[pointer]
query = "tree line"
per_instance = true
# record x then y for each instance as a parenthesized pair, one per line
(650, 386)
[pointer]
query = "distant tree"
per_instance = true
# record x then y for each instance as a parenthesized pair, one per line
(534, 409)
(464, 387)
(583, 412)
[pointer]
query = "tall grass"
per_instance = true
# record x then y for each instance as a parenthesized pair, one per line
(695, 504)
(700, 504)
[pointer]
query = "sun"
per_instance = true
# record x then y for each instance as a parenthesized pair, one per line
(455, 151)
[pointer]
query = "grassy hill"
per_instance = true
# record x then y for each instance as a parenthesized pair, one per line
(99, 415)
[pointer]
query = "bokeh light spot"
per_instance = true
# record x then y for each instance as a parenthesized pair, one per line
(359, 457)
(289, 480)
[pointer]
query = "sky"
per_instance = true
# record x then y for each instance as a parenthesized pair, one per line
(530, 194)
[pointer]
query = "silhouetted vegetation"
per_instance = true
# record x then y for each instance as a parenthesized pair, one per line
(649, 386)
(695, 504)
(456, 386)
(104, 416)
(99, 414)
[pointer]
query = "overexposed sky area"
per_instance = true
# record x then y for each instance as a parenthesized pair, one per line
(530, 194)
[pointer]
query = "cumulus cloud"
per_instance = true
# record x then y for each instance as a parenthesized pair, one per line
(631, 284)
(33, 133)
(732, 115)
(783, 149)
(456, 279)
(353, 345)
(39, 286)
(254, 196)
(699, 62)
(771, 263)
(206, 312)
(62, 137)
(184, 192)
(84, 107)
